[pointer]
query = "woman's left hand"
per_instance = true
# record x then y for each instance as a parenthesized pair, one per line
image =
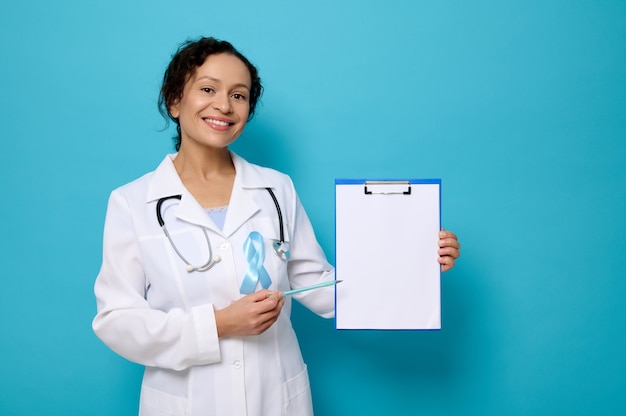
(449, 249)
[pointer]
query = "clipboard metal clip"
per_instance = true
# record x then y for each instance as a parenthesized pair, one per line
(397, 187)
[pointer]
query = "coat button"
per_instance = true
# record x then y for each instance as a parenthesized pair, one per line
(237, 364)
(224, 246)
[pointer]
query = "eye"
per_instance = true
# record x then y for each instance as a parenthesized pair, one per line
(238, 96)
(208, 90)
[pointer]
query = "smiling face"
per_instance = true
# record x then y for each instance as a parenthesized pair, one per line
(215, 105)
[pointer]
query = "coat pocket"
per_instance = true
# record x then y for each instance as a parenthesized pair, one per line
(297, 395)
(154, 402)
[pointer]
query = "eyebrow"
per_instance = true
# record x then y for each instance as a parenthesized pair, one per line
(220, 81)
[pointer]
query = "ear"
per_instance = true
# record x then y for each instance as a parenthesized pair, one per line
(174, 109)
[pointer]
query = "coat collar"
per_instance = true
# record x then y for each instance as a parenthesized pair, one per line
(166, 182)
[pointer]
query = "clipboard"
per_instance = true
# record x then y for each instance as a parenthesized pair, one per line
(386, 243)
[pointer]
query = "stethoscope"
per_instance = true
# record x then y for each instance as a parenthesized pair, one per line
(281, 247)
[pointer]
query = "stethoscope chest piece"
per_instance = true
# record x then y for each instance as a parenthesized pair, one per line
(281, 248)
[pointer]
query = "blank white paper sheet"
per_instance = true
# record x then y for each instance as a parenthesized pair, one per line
(386, 254)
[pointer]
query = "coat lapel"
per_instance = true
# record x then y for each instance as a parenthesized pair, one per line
(166, 182)
(242, 207)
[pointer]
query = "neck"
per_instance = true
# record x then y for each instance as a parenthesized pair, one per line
(208, 175)
(204, 164)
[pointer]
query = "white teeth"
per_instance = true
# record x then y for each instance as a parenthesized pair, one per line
(217, 122)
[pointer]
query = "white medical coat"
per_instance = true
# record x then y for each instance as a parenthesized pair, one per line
(153, 312)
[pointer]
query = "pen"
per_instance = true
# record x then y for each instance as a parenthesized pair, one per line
(317, 286)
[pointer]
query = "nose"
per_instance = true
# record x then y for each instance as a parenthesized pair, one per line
(222, 103)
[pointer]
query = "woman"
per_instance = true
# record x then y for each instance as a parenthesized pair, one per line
(200, 305)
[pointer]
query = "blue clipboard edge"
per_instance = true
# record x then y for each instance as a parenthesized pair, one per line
(339, 181)
(427, 181)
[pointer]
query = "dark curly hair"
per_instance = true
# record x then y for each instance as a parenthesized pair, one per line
(189, 56)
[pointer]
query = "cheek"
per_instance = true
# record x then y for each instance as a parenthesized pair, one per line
(247, 113)
(243, 112)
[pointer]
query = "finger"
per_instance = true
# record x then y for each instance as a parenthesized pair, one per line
(267, 319)
(260, 295)
(449, 251)
(446, 263)
(449, 242)
(272, 303)
(280, 301)
(447, 234)
(446, 267)
(266, 295)
(264, 326)
(268, 306)
(274, 293)
(260, 327)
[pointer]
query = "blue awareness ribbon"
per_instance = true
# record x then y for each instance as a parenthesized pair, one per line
(254, 250)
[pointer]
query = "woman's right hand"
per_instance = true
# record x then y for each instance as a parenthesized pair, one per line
(251, 315)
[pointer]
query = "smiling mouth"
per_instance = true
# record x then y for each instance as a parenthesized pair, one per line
(218, 122)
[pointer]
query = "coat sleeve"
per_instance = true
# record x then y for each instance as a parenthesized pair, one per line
(125, 322)
(308, 264)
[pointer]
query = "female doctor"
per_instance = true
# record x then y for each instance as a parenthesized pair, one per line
(197, 253)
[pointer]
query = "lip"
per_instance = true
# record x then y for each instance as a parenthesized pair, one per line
(218, 123)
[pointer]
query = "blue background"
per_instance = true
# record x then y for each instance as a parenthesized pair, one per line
(519, 106)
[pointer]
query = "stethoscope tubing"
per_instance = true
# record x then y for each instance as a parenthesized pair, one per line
(280, 215)
(280, 247)
(206, 266)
